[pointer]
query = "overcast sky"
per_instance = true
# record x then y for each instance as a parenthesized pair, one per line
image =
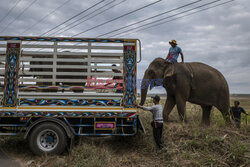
(219, 37)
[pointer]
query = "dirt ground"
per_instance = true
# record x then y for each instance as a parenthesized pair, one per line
(6, 161)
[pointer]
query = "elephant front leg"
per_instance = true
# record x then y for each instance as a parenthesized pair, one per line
(169, 105)
(181, 107)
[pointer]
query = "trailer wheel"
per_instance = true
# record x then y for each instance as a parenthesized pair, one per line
(47, 138)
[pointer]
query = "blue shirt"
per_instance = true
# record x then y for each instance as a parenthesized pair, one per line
(236, 112)
(174, 54)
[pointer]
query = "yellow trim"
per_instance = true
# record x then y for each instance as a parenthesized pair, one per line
(136, 49)
(130, 109)
(9, 108)
(105, 128)
(129, 40)
(104, 108)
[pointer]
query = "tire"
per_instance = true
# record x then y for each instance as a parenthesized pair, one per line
(47, 138)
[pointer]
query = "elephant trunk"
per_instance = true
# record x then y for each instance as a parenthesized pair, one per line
(144, 90)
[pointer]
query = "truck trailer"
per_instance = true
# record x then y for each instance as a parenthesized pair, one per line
(55, 88)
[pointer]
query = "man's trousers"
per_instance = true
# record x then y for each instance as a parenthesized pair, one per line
(157, 131)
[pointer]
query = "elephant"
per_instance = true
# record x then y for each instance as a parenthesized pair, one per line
(194, 82)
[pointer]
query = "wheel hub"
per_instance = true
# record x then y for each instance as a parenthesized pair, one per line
(47, 140)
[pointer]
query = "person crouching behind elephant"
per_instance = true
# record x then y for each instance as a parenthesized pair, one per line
(236, 111)
(157, 122)
(174, 52)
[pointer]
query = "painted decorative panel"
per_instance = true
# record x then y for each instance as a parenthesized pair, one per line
(68, 102)
(68, 114)
(129, 68)
(11, 75)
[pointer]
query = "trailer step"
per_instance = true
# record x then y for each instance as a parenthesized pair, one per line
(8, 134)
(13, 125)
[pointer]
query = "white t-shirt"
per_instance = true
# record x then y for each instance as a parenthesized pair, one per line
(157, 112)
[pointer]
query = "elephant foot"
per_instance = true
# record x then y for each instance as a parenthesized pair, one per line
(205, 123)
(184, 121)
(228, 121)
(166, 119)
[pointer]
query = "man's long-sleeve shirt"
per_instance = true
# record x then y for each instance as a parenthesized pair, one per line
(236, 112)
(157, 112)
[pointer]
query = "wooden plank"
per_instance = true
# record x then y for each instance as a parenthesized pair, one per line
(72, 47)
(36, 46)
(50, 73)
(24, 53)
(28, 59)
(107, 74)
(97, 60)
(111, 74)
(107, 54)
(59, 95)
(32, 87)
(72, 53)
(2, 58)
(51, 80)
(52, 46)
(33, 53)
(72, 67)
(69, 47)
(36, 66)
(106, 67)
(108, 47)
(51, 66)
(110, 61)
(73, 60)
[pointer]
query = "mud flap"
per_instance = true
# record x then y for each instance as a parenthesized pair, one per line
(140, 124)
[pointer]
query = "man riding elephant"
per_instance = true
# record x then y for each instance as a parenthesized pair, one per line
(174, 52)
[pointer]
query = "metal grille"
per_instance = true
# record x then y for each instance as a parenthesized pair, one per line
(67, 70)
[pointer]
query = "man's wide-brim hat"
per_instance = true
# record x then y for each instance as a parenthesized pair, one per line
(173, 42)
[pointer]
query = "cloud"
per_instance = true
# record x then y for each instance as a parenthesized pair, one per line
(219, 37)
(204, 28)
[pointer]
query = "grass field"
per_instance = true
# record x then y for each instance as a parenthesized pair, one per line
(185, 144)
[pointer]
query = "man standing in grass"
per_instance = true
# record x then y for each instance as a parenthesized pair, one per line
(236, 113)
(157, 122)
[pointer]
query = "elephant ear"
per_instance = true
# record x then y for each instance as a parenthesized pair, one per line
(170, 72)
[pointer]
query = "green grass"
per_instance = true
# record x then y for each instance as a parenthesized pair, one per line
(185, 144)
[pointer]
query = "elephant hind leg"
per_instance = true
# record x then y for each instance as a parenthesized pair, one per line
(206, 114)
